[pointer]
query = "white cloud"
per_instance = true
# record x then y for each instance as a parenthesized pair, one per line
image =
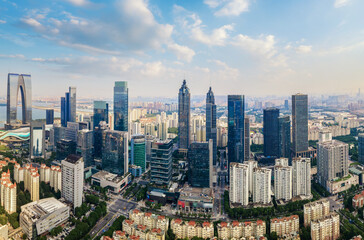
(304, 49)
(228, 7)
(217, 37)
(225, 70)
(31, 22)
(264, 45)
(79, 3)
(2, 21)
(12, 56)
(182, 52)
(341, 3)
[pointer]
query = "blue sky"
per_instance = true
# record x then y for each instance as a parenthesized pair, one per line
(252, 47)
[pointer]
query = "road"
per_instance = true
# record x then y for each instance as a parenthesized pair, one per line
(114, 210)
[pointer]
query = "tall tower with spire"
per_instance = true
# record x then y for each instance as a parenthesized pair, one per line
(184, 116)
(211, 121)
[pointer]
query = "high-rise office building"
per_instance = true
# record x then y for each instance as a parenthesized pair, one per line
(236, 117)
(332, 161)
(163, 130)
(271, 132)
(148, 148)
(299, 123)
(184, 115)
(361, 148)
(68, 107)
(161, 162)
(98, 135)
(115, 152)
(284, 136)
(283, 183)
(138, 155)
(121, 106)
(246, 138)
(286, 105)
(101, 112)
(72, 179)
(211, 132)
(262, 185)
(239, 183)
(301, 176)
(85, 146)
(199, 160)
(49, 116)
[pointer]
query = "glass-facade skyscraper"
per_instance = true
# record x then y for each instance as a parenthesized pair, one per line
(236, 117)
(299, 123)
(138, 156)
(271, 132)
(284, 136)
(115, 152)
(19, 84)
(211, 132)
(361, 148)
(101, 112)
(184, 102)
(161, 162)
(68, 107)
(121, 106)
(49, 116)
(199, 164)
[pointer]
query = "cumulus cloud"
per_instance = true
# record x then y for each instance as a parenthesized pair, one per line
(341, 3)
(304, 49)
(228, 7)
(264, 45)
(129, 26)
(182, 52)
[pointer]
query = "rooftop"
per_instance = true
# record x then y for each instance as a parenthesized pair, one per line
(73, 158)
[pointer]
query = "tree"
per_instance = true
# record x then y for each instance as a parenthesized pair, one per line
(25, 236)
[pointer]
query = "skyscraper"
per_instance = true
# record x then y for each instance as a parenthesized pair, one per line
(101, 112)
(68, 107)
(138, 155)
(115, 152)
(235, 128)
(271, 132)
(16, 83)
(262, 185)
(85, 146)
(184, 112)
(239, 183)
(199, 158)
(332, 161)
(211, 122)
(361, 148)
(284, 136)
(246, 138)
(49, 116)
(301, 176)
(121, 99)
(161, 162)
(72, 179)
(299, 123)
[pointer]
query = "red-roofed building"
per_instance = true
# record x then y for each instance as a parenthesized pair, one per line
(358, 200)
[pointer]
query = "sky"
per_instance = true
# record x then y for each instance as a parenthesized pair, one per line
(251, 47)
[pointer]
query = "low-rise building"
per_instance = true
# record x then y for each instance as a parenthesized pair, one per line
(241, 230)
(358, 200)
(196, 200)
(113, 182)
(41, 216)
(4, 232)
(286, 226)
(327, 227)
(342, 184)
(119, 235)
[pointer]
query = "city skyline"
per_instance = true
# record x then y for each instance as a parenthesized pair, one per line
(260, 47)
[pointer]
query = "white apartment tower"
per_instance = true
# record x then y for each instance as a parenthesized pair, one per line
(301, 177)
(239, 183)
(251, 165)
(283, 183)
(262, 185)
(72, 179)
